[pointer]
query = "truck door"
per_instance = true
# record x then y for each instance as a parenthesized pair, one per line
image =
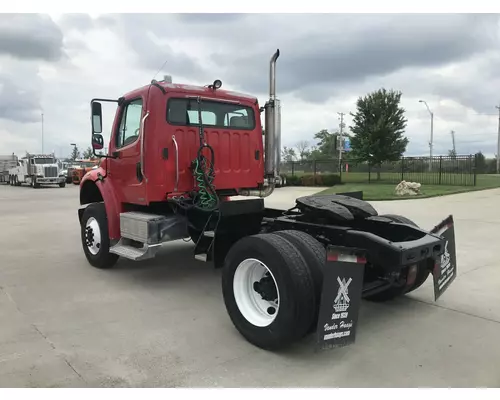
(126, 147)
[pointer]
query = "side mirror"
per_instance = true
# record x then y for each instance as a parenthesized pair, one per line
(96, 118)
(97, 141)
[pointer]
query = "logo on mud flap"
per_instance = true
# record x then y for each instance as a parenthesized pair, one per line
(342, 301)
(445, 258)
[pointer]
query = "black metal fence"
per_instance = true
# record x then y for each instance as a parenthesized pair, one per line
(440, 170)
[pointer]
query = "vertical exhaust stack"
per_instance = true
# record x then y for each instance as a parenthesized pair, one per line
(272, 140)
(272, 137)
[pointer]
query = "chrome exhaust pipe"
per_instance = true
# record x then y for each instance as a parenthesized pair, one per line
(272, 139)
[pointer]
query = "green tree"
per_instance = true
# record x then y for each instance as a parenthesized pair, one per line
(378, 127)
(303, 149)
(481, 165)
(75, 153)
(326, 146)
(288, 154)
(88, 154)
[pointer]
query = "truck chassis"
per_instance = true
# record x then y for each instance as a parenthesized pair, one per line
(279, 267)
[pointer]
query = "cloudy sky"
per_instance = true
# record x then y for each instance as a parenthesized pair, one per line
(57, 63)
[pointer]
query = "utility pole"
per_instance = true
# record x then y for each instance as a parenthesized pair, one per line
(453, 140)
(340, 139)
(42, 132)
(498, 142)
(431, 142)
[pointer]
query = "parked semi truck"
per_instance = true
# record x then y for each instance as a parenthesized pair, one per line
(178, 154)
(36, 170)
(6, 163)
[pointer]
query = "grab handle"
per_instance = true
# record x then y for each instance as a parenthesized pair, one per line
(176, 163)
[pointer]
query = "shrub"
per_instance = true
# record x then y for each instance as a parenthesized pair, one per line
(313, 180)
(293, 180)
(331, 179)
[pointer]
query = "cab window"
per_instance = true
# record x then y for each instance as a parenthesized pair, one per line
(218, 114)
(128, 131)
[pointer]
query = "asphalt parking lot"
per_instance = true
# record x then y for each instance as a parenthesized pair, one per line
(162, 322)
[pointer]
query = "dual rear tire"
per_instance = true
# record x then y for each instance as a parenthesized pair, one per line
(271, 284)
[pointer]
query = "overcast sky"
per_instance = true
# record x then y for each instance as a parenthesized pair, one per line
(57, 63)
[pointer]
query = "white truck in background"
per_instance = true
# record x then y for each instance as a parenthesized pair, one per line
(36, 170)
(6, 163)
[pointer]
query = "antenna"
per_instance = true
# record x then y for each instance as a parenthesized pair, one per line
(157, 72)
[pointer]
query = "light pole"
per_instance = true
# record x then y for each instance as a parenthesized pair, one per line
(432, 133)
(42, 131)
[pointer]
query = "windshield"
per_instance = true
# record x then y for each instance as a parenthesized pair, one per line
(41, 161)
(213, 114)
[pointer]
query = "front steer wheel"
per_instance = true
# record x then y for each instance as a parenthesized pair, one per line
(95, 237)
(268, 291)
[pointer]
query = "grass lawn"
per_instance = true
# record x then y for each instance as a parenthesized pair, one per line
(385, 191)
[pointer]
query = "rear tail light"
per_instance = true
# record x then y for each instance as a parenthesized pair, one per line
(412, 275)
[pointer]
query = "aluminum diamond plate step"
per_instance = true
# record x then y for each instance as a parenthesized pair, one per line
(133, 253)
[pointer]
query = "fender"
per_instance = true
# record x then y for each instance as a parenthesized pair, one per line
(94, 188)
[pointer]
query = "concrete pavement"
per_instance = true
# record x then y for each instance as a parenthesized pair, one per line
(162, 322)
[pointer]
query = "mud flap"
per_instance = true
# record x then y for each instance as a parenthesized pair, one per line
(445, 268)
(340, 299)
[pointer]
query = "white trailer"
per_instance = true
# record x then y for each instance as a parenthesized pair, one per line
(36, 170)
(6, 163)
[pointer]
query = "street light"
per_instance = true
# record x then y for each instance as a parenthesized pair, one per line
(42, 131)
(432, 133)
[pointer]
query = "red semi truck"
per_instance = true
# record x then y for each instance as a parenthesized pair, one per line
(178, 153)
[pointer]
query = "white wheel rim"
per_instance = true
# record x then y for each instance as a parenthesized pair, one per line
(252, 306)
(93, 236)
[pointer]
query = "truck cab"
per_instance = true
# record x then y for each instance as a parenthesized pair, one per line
(160, 165)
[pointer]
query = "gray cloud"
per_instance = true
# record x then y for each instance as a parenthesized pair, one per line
(18, 104)
(81, 22)
(209, 18)
(322, 55)
(30, 36)
(327, 60)
(151, 55)
(336, 58)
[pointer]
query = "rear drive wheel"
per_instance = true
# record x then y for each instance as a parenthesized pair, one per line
(315, 255)
(95, 237)
(268, 291)
(422, 273)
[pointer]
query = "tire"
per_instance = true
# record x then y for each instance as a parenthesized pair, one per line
(98, 255)
(288, 273)
(315, 255)
(62, 184)
(423, 270)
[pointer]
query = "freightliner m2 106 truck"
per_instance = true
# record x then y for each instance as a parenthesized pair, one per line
(190, 161)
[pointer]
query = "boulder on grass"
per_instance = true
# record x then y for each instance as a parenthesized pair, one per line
(408, 188)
